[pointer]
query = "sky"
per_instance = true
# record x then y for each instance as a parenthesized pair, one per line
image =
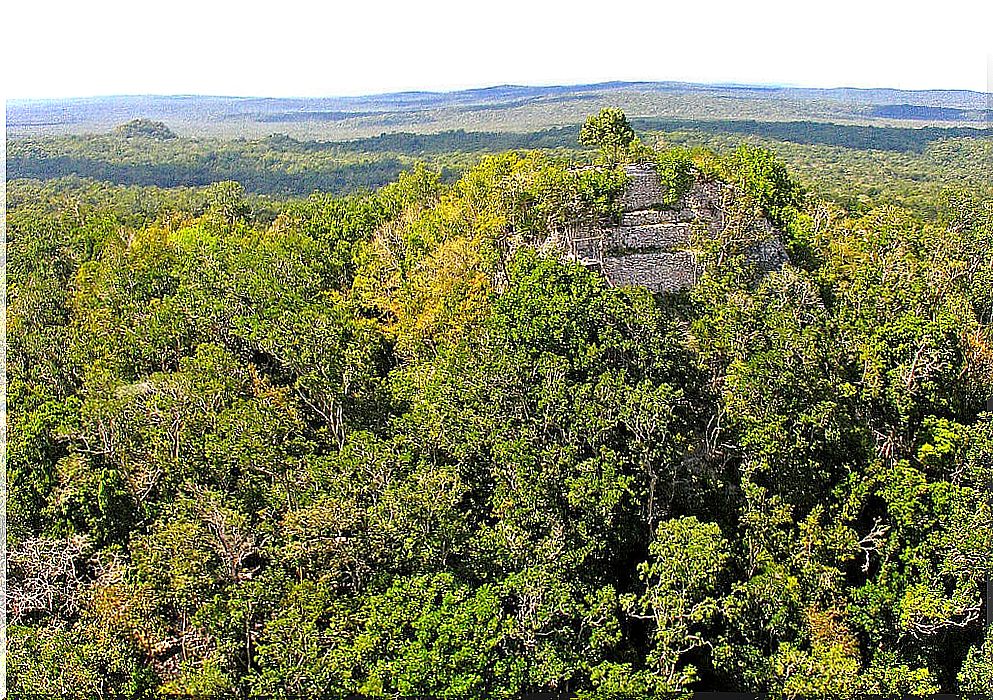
(326, 48)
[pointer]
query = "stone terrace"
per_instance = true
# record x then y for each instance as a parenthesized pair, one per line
(652, 247)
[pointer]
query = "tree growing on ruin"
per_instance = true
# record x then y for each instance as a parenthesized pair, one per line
(609, 131)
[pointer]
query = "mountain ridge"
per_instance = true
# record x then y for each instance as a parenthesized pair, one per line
(491, 89)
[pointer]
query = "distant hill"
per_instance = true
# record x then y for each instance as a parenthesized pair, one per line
(497, 108)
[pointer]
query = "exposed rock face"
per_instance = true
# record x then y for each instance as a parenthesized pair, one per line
(644, 190)
(653, 247)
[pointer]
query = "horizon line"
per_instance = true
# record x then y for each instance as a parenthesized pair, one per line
(481, 88)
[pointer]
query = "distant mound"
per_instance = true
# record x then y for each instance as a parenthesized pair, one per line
(146, 128)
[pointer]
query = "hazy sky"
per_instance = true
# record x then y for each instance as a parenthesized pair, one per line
(295, 48)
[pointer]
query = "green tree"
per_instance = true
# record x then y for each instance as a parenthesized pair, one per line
(608, 131)
(684, 571)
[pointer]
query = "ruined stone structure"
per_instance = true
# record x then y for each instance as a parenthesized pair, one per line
(652, 246)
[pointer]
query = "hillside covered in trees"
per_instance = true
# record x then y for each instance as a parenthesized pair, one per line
(380, 443)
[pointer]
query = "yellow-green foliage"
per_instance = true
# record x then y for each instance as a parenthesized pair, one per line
(382, 444)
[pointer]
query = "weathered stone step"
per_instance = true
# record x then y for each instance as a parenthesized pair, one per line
(624, 239)
(647, 217)
(653, 236)
(659, 272)
(643, 190)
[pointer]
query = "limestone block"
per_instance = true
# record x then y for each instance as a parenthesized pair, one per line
(644, 189)
(658, 271)
(650, 237)
(647, 217)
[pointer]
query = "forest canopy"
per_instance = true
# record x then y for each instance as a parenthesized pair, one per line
(855, 166)
(146, 128)
(384, 444)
